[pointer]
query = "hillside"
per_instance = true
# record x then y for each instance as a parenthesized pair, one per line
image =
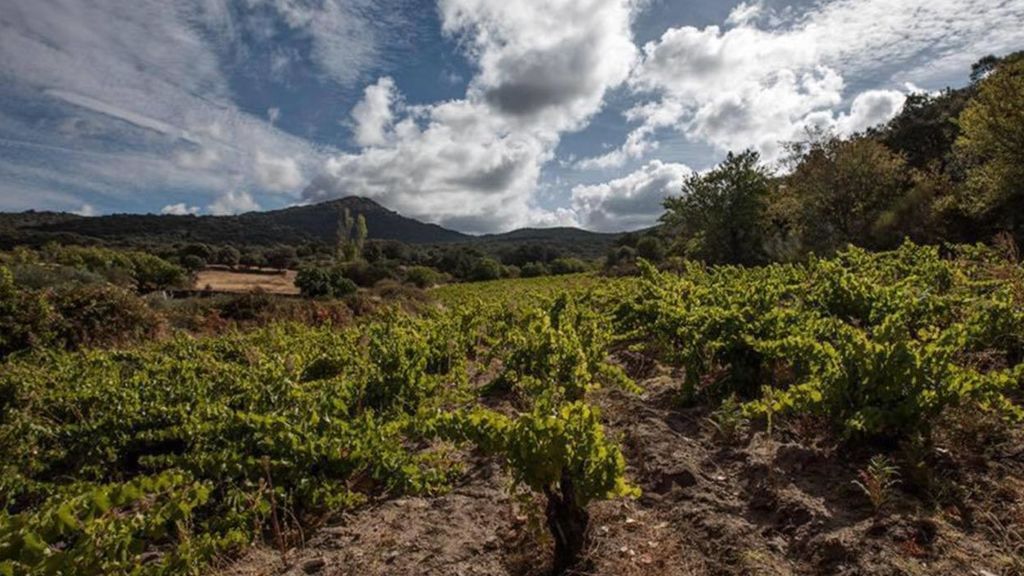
(292, 226)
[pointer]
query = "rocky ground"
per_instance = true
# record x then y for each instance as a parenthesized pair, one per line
(765, 505)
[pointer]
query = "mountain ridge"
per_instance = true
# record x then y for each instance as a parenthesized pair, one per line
(291, 225)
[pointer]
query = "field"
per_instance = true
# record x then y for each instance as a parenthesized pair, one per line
(232, 282)
(857, 415)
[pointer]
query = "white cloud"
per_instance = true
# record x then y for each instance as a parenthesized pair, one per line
(869, 109)
(233, 202)
(86, 210)
(745, 13)
(344, 41)
(179, 209)
(373, 115)
(756, 85)
(140, 101)
(631, 202)
(474, 163)
(278, 174)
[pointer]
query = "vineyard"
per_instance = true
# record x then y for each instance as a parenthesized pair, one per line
(860, 414)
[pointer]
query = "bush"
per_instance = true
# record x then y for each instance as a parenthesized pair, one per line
(25, 318)
(533, 270)
(422, 276)
(485, 269)
(324, 283)
(568, 266)
(193, 263)
(101, 315)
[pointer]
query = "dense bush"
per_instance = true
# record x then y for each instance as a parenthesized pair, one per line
(879, 345)
(567, 266)
(423, 276)
(102, 315)
(324, 282)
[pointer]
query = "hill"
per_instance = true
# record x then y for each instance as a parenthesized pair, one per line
(292, 226)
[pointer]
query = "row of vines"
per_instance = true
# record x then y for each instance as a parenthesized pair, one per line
(163, 458)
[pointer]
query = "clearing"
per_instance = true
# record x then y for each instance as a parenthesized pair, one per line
(236, 282)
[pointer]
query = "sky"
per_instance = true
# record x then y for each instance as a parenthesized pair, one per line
(479, 115)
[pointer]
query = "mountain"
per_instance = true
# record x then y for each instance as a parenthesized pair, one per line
(291, 226)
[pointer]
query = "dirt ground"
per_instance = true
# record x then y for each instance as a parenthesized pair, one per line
(218, 280)
(764, 506)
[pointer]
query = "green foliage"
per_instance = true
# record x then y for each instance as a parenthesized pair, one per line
(991, 146)
(315, 282)
(842, 192)
(718, 216)
(144, 271)
(877, 481)
(540, 445)
(108, 529)
(102, 315)
(485, 269)
(423, 276)
(879, 344)
(561, 266)
(26, 318)
(324, 416)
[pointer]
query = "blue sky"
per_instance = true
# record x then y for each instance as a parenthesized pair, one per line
(481, 115)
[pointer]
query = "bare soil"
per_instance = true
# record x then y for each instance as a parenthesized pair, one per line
(767, 505)
(236, 282)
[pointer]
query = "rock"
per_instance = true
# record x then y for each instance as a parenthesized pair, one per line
(314, 565)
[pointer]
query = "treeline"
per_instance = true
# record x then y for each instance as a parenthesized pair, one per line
(948, 169)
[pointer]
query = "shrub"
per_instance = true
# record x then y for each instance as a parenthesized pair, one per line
(533, 270)
(485, 269)
(324, 282)
(422, 276)
(568, 266)
(100, 315)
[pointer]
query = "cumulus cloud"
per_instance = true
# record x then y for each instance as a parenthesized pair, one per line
(755, 85)
(179, 209)
(869, 109)
(373, 115)
(474, 163)
(278, 174)
(631, 202)
(233, 202)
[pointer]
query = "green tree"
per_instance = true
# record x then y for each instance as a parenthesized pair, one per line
(718, 216)
(843, 191)
(361, 233)
(991, 147)
(324, 283)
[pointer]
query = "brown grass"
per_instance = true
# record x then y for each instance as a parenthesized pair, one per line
(244, 282)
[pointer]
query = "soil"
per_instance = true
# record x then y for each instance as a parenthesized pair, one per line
(764, 505)
(232, 282)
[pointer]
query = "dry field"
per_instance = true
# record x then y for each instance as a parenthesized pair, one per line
(244, 282)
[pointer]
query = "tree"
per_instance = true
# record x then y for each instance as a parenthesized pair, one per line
(842, 192)
(324, 282)
(228, 256)
(991, 147)
(485, 269)
(651, 248)
(561, 266)
(344, 235)
(718, 216)
(282, 257)
(192, 263)
(361, 233)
